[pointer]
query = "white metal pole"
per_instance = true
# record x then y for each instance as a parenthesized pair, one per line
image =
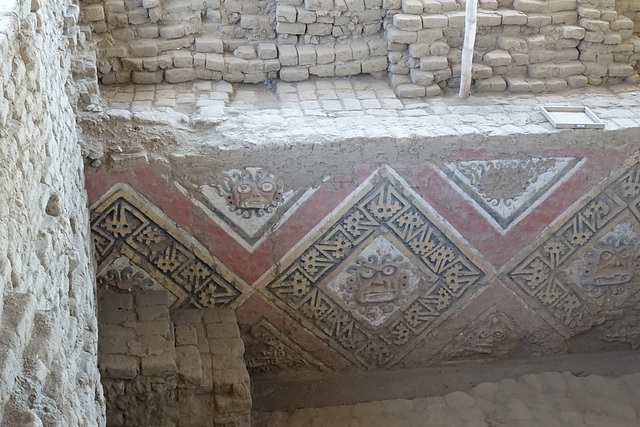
(471, 19)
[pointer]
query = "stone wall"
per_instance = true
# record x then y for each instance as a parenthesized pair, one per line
(176, 367)
(521, 46)
(48, 328)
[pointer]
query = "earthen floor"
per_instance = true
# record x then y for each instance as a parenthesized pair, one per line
(363, 106)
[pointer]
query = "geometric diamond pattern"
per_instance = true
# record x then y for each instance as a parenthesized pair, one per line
(124, 223)
(447, 271)
(584, 268)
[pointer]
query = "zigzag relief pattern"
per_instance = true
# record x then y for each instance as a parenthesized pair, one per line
(587, 266)
(122, 224)
(384, 240)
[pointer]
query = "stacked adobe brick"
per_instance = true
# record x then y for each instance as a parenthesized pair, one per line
(149, 41)
(521, 45)
(159, 364)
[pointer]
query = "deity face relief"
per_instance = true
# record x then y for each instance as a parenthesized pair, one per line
(250, 192)
(377, 280)
(254, 194)
(613, 266)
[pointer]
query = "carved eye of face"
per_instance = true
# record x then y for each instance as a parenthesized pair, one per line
(367, 273)
(606, 255)
(485, 334)
(498, 334)
(244, 188)
(625, 253)
(388, 270)
(266, 186)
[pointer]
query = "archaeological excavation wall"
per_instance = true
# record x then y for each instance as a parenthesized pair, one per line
(521, 46)
(48, 326)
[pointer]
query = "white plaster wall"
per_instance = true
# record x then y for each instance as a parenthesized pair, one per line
(48, 328)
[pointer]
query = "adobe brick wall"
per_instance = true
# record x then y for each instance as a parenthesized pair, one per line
(48, 327)
(159, 364)
(522, 46)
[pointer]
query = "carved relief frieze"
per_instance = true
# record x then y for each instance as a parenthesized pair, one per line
(585, 268)
(247, 203)
(492, 335)
(382, 272)
(267, 349)
(252, 191)
(125, 224)
(506, 190)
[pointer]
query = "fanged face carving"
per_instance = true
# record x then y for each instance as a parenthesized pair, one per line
(250, 192)
(377, 280)
(614, 266)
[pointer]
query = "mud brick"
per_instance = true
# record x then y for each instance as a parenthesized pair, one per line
(374, 65)
(93, 12)
(181, 58)
(593, 37)
(186, 335)
(344, 69)
(493, 84)
(568, 17)
(489, 19)
(432, 6)
(294, 74)
(439, 49)
(421, 78)
(456, 20)
(595, 69)
(377, 47)
(286, 13)
(541, 56)
(555, 84)
(413, 7)
(419, 50)
(480, 71)
(318, 29)
(288, 55)
(171, 32)
(160, 365)
(344, 53)
(209, 45)
(271, 65)
(395, 35)
(318, 4)
(305, 16)
(531, 6)
(542, 70)
(538, 21)
(189, 364)
(513, 17)
(138, 16)
(512, 44)
(119, 366)
(359, 49)
(154, 312)
(594, 25)
(577, 81)
(215, 62)
(158, 328)
(355, 5)
(573, 32)
(517, 84)
(324, 70)
(562, 5)
(267, 51)
(435, 21)
(324, 54)
(431, 63)
(116, 6)
(589, 13)
(497, 58)
(620, 70)
(142, 48)
(407, 22)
